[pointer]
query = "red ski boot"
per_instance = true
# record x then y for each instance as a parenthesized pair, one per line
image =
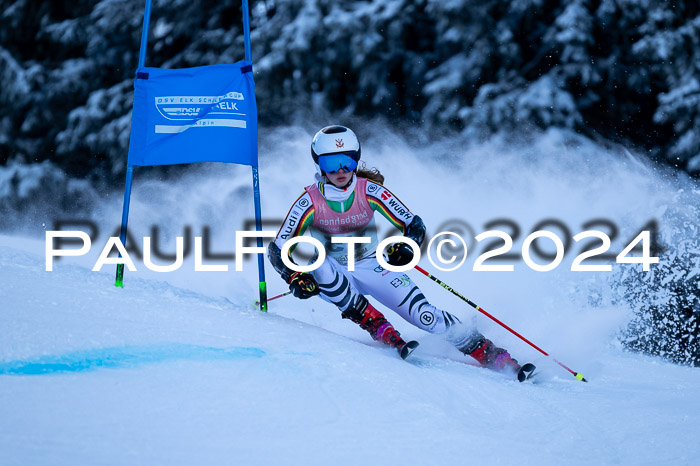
(490, 356)
(380, 329)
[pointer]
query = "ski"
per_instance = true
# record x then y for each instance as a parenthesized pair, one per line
(526, 371)
(408, 348)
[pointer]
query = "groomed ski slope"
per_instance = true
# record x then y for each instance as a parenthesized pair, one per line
(153, 374)
(178, 368)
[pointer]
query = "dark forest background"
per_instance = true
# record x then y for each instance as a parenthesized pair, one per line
(626, 71)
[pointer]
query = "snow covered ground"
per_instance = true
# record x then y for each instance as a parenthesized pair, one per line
(154, 374)
(179, 368)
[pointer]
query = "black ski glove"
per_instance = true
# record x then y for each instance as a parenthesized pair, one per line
(303, 285)
(399, 254)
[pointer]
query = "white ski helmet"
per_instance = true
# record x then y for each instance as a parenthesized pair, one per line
(335, 140)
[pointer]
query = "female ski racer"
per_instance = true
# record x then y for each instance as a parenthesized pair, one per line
(342, 202)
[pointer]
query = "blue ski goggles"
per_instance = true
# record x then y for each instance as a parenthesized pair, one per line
(333, 163)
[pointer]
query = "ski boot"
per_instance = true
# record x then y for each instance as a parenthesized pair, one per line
(490, 356)
(380, 329)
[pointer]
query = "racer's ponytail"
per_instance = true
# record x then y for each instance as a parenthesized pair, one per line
(372, 174)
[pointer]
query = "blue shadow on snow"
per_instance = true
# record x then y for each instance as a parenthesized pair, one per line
(124, 357)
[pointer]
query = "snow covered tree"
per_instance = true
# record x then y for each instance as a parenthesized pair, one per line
(356, 57)
(666, 300)
(39, 191)
(625, 70)
(676, 53)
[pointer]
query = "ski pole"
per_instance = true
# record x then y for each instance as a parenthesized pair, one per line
(257, 303)
(578, 375)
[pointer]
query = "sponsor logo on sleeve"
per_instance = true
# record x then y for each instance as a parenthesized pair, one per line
(401, 281)
(291, 223)
(427, 318)
(400, 210)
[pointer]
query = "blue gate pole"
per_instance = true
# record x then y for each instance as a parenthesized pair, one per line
(256, 179)
(144, 34)
(246, 32)
(119, 281)
(258, 227)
